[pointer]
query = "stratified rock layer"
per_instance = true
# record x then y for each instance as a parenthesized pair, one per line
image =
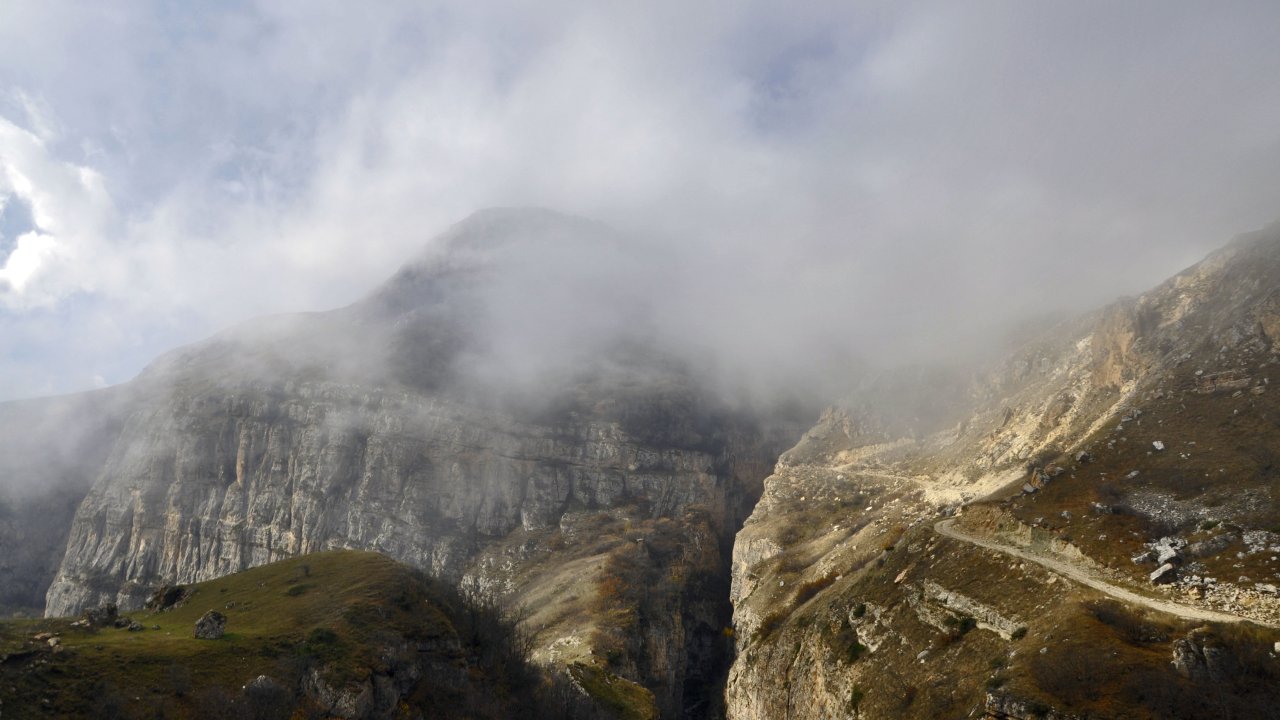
(209, 484)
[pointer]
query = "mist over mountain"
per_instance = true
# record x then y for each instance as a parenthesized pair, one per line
(872, 360)
(878, 180)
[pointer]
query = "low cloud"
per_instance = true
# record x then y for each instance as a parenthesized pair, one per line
(894, 181)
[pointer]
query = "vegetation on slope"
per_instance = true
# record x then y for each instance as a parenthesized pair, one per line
(341, 633)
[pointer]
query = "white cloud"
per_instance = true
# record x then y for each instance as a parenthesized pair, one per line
(877, 172)
(72, 213)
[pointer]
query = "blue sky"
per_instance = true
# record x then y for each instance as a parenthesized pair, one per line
(891, 171)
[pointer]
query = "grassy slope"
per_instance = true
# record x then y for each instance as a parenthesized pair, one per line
(276, 611)
(1218, 455)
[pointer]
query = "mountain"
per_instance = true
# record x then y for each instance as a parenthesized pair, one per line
(1086, 528)
(1083, 541)
(491, 414)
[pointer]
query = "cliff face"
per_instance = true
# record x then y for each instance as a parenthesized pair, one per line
(206, 485)
(1135, 436)
(451, 422)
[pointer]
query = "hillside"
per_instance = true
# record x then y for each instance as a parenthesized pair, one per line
(1112, 544)
(335, 634)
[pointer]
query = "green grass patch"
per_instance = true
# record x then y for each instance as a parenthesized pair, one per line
(627, 700)
(351, 618)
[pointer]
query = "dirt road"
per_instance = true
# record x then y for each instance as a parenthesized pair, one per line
(1084, 577)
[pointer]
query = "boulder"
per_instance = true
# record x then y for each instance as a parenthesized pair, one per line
(135, 627)
(1162, 574)
(101, 616)
(1211, 546)
(1168, 549)
(1143, 557)
(211, 625)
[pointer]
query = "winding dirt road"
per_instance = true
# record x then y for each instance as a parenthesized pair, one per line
(944, 528)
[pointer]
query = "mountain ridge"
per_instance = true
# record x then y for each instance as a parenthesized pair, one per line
(607, 490)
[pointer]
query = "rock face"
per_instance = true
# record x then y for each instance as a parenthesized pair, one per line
(432, 422)
(1199, 658)
(848, 604)
(211, 626)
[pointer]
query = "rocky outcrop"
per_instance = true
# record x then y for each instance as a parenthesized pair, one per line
(104, 616)
(211, 626)
(1202, 658)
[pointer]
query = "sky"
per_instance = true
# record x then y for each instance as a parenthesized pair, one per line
(899, 180)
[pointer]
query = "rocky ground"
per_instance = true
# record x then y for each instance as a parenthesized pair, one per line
(1107, 519)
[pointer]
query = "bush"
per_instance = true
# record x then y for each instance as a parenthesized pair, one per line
(960, 626)
(1130, 626)
(1073, 673)
(856, 695)
(806, 591)
(770, 624)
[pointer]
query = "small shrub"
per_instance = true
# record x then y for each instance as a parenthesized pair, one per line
(1130, 626)
(1019, 633)
(770, 624)
(855, 652)
(322, 636)
(960, 626)
(856, 695)
(808, 590)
